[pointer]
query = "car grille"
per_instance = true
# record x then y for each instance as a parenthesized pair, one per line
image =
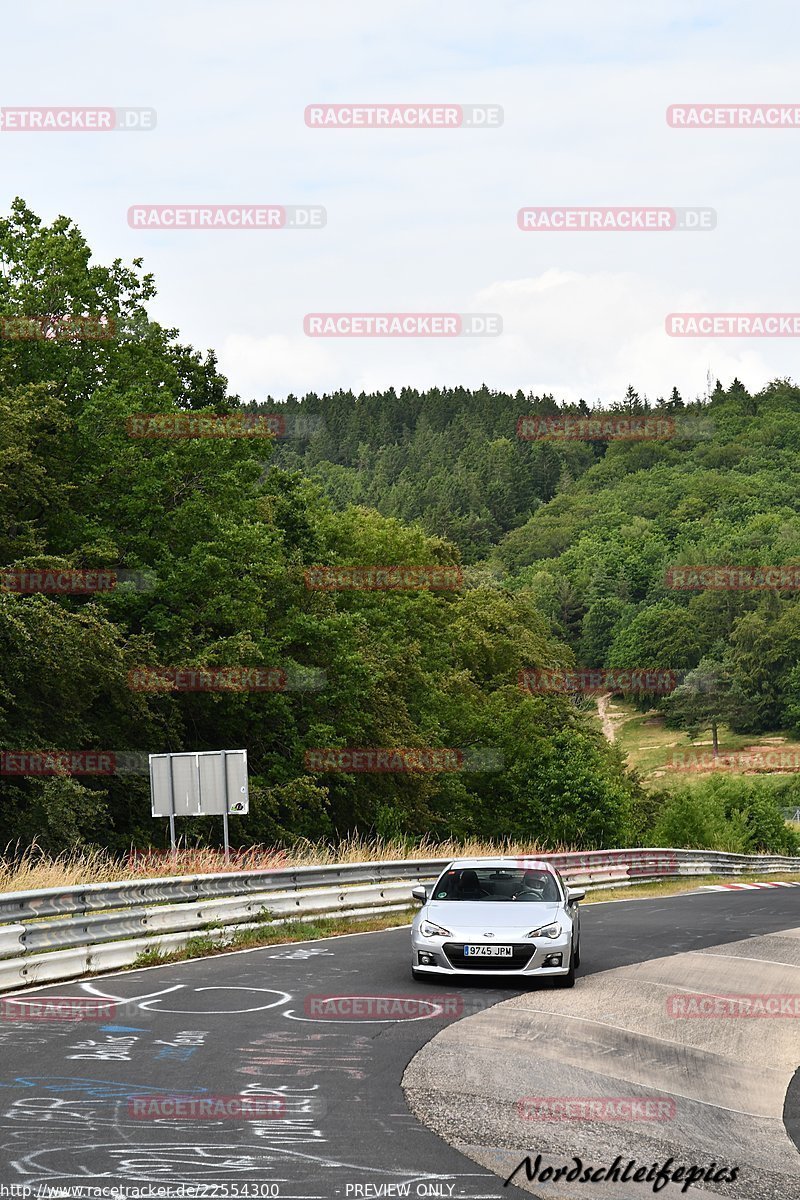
(522, 955)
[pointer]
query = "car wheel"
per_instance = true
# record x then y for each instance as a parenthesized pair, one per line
(578, 953)
(568, 980)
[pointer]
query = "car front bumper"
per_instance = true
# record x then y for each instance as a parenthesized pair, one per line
(532, 957)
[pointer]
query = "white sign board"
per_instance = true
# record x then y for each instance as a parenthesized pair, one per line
(209, 783)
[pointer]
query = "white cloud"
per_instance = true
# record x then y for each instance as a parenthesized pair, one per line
(426, 221)
(590, 335)
(278, 365)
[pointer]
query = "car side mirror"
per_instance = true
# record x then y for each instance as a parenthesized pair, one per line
(575, 894)
(420, 893)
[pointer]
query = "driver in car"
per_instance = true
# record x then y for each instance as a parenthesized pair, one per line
(539, 885)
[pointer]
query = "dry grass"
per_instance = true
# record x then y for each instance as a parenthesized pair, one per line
(31, 868)
(277, 935)
(651, 748)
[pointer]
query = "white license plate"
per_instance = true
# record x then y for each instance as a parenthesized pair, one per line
(488, 951)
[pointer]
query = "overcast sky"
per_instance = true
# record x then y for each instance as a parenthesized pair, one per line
(425, 220)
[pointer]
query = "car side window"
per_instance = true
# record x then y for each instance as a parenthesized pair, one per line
(446, 887)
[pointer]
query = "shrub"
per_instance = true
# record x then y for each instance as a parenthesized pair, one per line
(740, 815)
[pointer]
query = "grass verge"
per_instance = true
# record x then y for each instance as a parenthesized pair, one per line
(272, 935)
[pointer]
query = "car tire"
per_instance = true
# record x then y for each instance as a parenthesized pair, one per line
(568, 980)
(578, 953)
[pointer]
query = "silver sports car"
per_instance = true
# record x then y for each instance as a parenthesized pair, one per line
(504, 916)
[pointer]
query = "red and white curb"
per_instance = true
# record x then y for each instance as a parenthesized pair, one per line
(746, 887)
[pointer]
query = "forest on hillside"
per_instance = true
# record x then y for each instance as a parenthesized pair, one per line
(589, 529)
(563, 549)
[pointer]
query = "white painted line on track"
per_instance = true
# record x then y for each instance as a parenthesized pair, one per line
(744, 958)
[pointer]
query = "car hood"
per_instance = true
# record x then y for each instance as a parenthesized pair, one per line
(479, 917)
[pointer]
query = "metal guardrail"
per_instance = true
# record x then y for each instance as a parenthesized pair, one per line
(61, 933)
(92, 897)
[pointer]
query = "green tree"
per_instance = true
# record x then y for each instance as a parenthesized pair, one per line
(703, 700)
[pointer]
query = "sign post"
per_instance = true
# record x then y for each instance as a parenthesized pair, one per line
(225, 803)
(172, 840)
(201, 783)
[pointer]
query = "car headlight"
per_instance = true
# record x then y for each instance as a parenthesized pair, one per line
(549, 931)
(428, 929)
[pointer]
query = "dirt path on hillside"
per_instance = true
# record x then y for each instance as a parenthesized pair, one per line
(605, 719)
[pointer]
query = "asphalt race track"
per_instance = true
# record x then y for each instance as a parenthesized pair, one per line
(88, 1102)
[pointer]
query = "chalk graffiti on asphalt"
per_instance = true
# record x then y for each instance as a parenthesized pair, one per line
(156, 1162)
(26, 1029)
(113, 1049)
(151, 1161)
(98, 1089)
(278, 1065)
(300, 954)
(366, 1010)
(149, 1001)
(302, 1053)
(119, 1049)
(297, 1100)
(185, 1043)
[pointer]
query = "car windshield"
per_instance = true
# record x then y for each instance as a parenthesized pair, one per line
(498, 883)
